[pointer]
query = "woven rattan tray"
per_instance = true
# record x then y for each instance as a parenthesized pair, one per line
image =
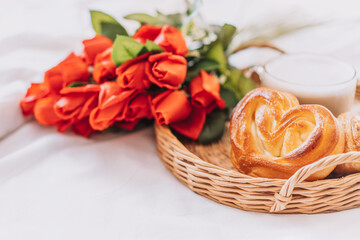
(207, 170)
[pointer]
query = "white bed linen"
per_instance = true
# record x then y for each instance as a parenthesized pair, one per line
(62, 186)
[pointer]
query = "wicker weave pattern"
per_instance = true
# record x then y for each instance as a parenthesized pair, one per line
(213, 177)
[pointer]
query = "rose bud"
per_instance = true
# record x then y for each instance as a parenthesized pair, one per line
(77, 102)
(170, 106)
(205, 92)
(167, 37)
(131, 74)
(166, 70)
(95, 46)
(104, 67)
(111, 104)
(69, 70)
(137, 109)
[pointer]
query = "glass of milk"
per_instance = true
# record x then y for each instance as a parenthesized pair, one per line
(313, 79)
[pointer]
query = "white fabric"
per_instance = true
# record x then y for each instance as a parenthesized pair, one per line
(62, 186)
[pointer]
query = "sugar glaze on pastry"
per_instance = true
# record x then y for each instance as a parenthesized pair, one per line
(273, 136)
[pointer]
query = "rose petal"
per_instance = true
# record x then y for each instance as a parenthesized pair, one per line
(192, 126)
(35, 92)
(83, 128)
(104, 67)
(95, 46)
(147, 32)
(44, 112)
(170, 106)
(70, 70)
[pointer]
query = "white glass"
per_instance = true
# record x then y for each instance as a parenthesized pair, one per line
(313, 79)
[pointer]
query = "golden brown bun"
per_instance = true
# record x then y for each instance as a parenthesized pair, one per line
(351, 125)
(273, 136)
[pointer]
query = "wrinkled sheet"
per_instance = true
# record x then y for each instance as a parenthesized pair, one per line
(62, 186)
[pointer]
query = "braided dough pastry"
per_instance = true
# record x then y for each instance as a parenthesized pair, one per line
(351, 125)
(273, 136)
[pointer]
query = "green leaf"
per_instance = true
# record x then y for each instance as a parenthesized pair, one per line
(125, 48)
(174, 19)
(239, 84)
(153, 47)
(77, 84)
(144, 18)
(160, 19)
(98, 17)
(226, 35)
(230, 100)
(171, 19)
(229, 97)
(205, 64)
(110, 30)
(214, 127)
(216, 53)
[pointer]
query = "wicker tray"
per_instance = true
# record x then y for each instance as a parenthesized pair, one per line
(207, 170)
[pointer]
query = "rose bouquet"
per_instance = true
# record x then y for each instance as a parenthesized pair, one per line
(171, 70)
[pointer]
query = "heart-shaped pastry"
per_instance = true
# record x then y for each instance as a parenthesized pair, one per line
(273, 136)
(351, 125)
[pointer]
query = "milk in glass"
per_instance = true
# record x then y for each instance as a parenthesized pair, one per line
(313, 79)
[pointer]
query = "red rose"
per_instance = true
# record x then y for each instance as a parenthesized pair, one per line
(170, 106)
(104, 67)
(166, 70)
(131, 74)
(41, 98)
(72, 69)
(111, 103)
(71, 109)
(34, 93)
(77, 102)
(205, 92)
(167, 37)
(94, 46)
(192, 126)
(137, 108)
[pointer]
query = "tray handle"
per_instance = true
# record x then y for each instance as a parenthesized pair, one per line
(284, 196)
(257, 44)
